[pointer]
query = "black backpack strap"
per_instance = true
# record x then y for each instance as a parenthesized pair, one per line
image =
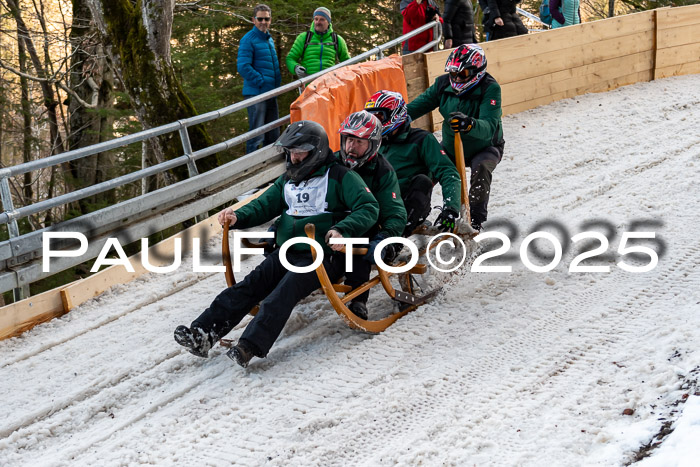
(309, 34)
(334, 36)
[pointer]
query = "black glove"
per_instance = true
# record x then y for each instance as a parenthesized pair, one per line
(446, 219)
(369, 257)
(461, 122)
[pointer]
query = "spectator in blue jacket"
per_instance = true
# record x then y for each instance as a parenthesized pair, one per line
(257, 63)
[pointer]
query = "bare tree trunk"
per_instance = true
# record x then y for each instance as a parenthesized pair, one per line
(611, 8)
(27, 191)
(50, 101)
(137, 36)
(2, 115)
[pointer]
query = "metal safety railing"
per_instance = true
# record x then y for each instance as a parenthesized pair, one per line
(534, 18)
(143, 215)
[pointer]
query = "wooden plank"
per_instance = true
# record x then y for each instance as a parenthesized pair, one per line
(18, 317)
(678, 70)
(604, 86)
(415, 87)
(542, 64)
(25, 314)
(678, 17)
(575, 78)
(563, 38)
(413, 66)
(678, 55)
(531, 50)
(678, 36)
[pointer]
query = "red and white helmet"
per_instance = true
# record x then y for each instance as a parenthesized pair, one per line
(389, 107)
(466, 66)
(362, 125)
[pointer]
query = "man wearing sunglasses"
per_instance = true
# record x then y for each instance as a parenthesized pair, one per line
(258, 65)
(469, 99)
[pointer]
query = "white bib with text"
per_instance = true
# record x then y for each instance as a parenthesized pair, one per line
(308, 198)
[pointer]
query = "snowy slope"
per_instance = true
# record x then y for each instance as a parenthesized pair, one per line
(518, 368)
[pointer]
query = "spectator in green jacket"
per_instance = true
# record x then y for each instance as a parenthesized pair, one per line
(418, 159)
(360, 139)
(318, 48)
(315, 189)
(469, 99)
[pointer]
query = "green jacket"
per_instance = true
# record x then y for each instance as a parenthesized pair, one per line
(348, 206)
(482, 103)
(320, 53)
(380, 177)
(412, 151)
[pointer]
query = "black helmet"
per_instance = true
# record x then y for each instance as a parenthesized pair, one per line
(304, 135)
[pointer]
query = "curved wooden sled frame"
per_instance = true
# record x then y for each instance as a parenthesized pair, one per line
(410, 301)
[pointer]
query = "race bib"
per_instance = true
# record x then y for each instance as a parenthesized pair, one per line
(308, 198)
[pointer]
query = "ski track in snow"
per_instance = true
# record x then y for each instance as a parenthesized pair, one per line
(516, 368)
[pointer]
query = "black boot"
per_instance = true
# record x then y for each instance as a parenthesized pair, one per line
(359, 309)
(195, 340)
(241, 353)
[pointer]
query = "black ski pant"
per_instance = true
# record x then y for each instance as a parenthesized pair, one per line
(417, 201)
(361, 270)
(482, 165)
(276, 289)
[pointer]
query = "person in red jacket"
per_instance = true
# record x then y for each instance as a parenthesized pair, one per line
(416, 13)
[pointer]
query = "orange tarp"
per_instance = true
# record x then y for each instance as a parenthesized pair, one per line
(335, 95)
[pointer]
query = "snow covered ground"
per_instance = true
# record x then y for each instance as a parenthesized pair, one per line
(518, 368)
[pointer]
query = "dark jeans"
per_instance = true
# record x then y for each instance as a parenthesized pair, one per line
(258, 115)
(276, 289)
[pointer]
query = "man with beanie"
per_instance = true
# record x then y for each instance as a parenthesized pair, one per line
(318, 48)
(258, 65)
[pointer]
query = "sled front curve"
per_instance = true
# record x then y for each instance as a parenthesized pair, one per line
(226, 258)
(331, 292)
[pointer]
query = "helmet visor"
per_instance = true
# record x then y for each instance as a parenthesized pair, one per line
(466, 74)
(384, 115)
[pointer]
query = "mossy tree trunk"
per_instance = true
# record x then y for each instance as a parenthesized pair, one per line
(137, 39)
(91, 80)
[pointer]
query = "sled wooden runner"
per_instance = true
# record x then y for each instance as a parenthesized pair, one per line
(339, 304)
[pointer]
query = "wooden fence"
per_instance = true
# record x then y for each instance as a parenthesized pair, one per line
(541, 68)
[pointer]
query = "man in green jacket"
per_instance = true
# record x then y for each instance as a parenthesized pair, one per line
(318, 48)
(360, 139)
(315, 189)
(418, 159)
(469, 99)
